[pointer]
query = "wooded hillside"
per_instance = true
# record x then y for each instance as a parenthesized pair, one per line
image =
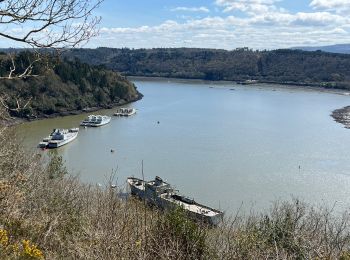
(57, 86)
(280, 66)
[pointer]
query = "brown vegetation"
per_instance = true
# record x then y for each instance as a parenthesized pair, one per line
(47, 213)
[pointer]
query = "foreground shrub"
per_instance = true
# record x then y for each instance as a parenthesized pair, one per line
(291, 230)
(177, 237)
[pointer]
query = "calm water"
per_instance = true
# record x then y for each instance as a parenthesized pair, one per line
(223, 147)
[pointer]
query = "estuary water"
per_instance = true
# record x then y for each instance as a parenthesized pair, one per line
(226, 145)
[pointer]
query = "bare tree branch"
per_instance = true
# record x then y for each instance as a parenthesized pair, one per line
(27, 71)
(49, 23)
(42, 24)
(20, 104)
(3, 103)
(56, 24)
(13, 67)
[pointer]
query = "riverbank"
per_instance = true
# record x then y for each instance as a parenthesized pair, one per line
(260, 84)
(265, 84)
(12, 121)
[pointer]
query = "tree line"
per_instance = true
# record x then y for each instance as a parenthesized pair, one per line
(278, 66)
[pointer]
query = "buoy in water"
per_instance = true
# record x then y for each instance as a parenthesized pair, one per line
(112, 150)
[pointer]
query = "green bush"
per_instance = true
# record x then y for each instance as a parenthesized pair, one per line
(176, 228)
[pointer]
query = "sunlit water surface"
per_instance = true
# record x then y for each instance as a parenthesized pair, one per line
(226, 145)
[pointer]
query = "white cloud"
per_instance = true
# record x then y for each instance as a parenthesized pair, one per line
(191, 9)
(318, 19)
(338, 6)
(231, 32)
(260, 24)
(254, 23)
(250, 7)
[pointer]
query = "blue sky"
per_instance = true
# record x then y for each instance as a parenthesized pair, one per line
(132, 13)
(145, 12)
(226, 24)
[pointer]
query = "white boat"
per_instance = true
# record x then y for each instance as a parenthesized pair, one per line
(96, 120)
(45, 141)
(161, 194)
(87, 121)
(101, 120)
(125, 111)
(61, 137)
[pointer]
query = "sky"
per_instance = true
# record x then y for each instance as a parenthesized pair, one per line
(224, 24)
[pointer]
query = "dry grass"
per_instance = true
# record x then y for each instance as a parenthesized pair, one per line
(291, 230)
(66, 219)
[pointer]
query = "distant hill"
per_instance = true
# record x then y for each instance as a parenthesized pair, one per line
(338, 48)
(62, 87)
(278, 66)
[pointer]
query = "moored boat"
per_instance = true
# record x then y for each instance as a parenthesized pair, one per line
(96, 120)
(87, 121)
(45, 141)
(60, 137)
(125, 111)
(161, 194)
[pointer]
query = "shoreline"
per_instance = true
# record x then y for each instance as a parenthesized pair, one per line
(18, 120)
(336, 114)
(301, 86)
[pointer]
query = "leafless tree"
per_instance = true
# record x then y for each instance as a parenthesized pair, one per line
(27, 72)
(42, 24)
(55, 24)
(48, 23)
(18, 103)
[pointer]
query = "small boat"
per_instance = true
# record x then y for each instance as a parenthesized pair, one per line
(125, 111)
(96, 120)
(248, 82)
(59, 137)
(160, 193)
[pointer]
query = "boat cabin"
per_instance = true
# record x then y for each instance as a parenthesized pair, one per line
(156, 187)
